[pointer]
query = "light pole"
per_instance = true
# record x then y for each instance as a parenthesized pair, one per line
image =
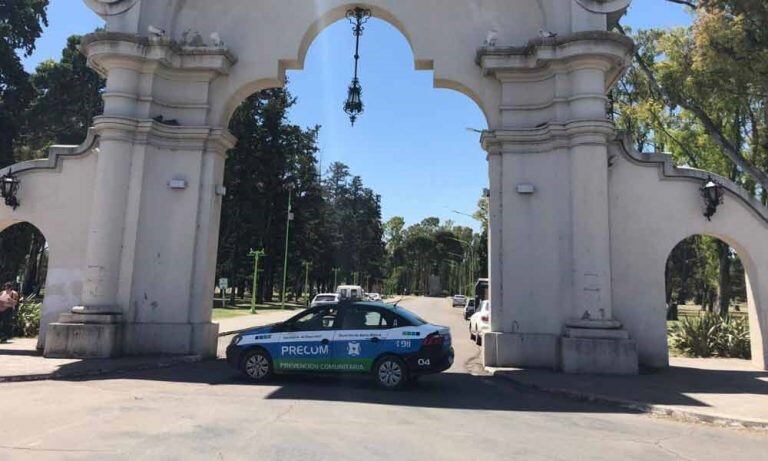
(307, 265)
(255, 255)
(336, 277)
(288, 220)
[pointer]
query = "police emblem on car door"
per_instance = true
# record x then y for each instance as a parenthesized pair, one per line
(360, 339)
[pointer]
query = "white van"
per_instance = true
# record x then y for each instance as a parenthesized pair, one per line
(351, 292)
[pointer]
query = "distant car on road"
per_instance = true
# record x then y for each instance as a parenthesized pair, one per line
(324, 299)
(351, 292)
(480, 322)
(459, 300)
(469, 308)
(391, 344)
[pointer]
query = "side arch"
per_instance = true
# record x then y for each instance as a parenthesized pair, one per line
(62, 217)
(655, 205)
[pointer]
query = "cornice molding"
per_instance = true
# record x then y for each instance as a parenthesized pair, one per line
(166, 53)
(56, 154)
(547, 138)
(105, 8)
(536, 60)
(670, 171)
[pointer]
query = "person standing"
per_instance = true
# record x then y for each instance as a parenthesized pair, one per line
(9, 302)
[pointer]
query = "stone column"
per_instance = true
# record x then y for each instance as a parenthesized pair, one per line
(549, 177)
(152, 239)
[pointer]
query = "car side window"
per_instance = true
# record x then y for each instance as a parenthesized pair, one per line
(322, 319)
(360, 318)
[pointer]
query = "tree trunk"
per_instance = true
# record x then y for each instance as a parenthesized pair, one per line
(724, 279)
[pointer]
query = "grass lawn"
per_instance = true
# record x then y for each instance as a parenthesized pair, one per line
(243, 307)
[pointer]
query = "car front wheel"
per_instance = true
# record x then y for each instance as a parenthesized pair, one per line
(391, 373)
(257, 365)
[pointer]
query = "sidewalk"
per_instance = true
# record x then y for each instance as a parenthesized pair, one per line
(720, 391)
(234, 325)
(20, 361)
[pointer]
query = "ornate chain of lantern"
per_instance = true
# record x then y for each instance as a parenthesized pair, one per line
(353, 106)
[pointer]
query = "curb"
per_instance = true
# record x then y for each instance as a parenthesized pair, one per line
(642, 407)
(163, 363)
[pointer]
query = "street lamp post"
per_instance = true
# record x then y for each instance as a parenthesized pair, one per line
(336, 277)
(288, 220)
(255, 255)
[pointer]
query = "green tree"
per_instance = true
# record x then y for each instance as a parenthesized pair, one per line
(21, 23)
(68, 95)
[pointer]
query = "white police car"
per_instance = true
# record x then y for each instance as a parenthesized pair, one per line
(386, 341)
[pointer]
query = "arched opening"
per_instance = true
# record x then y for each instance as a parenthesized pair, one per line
(419, 145)
(23, 265)
(710, 306)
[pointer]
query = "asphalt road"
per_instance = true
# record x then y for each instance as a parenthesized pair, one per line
(205, 411)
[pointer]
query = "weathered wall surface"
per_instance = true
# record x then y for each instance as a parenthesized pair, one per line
(56, 196)
(654, 206)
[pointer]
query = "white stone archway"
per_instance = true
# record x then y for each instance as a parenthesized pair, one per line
(571, 223)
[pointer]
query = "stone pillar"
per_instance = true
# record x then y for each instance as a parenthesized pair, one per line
(550, 230)
(153, 235)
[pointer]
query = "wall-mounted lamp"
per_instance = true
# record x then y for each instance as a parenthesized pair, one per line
(177, 184)
(9, 186)
(713, 193)
(526, 189)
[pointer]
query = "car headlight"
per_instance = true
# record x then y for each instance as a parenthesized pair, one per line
(236, 340)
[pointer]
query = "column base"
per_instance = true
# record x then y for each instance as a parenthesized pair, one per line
(601, 350)
(579, 351)
(86, 335)
(526, 350)
(172, 338)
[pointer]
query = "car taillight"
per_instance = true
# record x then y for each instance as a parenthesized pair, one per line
(435, 339)
(484, 318)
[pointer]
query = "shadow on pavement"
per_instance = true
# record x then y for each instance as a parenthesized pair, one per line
(660, 387)
(447, 390)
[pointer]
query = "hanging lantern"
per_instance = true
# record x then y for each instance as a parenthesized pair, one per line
(353, 106)
(354, 103)
(713, 193)
(9, 186)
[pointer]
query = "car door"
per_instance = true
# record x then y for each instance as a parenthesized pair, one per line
(306, 341)
(361, 337)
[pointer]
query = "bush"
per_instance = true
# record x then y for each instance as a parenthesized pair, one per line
(27, 320)
(711, 336)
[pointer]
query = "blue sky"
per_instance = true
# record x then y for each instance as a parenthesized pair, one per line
(411, 145)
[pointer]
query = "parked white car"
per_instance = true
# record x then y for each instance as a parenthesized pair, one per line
(375, 297)
(323, 299)
(480, 322)
(459, 300)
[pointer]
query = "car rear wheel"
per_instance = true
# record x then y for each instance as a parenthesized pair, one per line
(257, 365)
(479, 338)
(390, 373)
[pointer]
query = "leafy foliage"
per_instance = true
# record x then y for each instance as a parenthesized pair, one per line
(27, 320)
(337, 220)
(711, 335)
(21, 23)
(455, 254)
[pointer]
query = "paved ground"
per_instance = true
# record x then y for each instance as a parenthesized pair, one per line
(205, 411)
(718, 389)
